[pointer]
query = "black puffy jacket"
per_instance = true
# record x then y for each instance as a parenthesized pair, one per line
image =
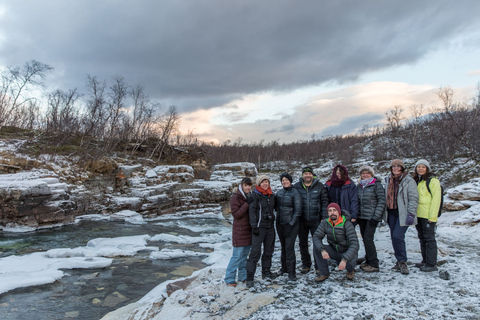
(260, 211)
(371, 200)
(288, 204)
(342, 238)
(314, 201)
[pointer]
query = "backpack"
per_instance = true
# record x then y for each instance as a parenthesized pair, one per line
(441, 195)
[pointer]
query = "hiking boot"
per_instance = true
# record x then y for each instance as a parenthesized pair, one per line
(368, 268)
(428, 268)
(363, 265)
(249, 284)
(403, 267)
(305, 270)
(292, 277)
(360, 260)
(321, 278)
(350, 275)
(269, 275)
(396, 267)
(232, 284)
(420, 264)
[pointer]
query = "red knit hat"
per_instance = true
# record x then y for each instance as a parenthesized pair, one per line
(336, 206)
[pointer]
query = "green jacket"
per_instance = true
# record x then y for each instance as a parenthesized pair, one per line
(429, 204)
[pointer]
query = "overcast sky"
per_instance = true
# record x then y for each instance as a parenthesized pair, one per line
(256, 69)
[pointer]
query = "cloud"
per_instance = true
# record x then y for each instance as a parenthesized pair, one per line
(353, 124)
(204, 54)
(341, 111)
(474, 73)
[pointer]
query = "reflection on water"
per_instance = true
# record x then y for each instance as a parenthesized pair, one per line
(92, 293)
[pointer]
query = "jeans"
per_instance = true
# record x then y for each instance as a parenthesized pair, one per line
(368, 233)
(303, 230)
(397, 234)
(238, 261)
(334, 255)
(267, 238)
(428, 244)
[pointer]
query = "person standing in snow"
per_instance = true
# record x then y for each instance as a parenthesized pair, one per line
(262, 217)
(289, 209)
(241, 234)
(342, 244)
(429, 200)
(314, 209)
(371, 199)
(343, 191)
(401, 210)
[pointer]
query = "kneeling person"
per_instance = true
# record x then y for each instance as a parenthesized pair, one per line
(342, 243)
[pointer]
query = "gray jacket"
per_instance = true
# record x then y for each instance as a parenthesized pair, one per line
(371, 200)
(407, 199)
(342, 238)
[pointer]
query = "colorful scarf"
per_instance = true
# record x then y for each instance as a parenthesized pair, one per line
(392, 190)
(265, 192)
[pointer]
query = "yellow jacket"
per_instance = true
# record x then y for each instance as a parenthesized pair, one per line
(429, 204)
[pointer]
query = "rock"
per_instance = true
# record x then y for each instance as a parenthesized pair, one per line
(233, 171)
(113, 299)
(179, 285)
(72, 314)
(96, 301)
(184, 271)
(444, 275)
(34, 201)
(467, 191)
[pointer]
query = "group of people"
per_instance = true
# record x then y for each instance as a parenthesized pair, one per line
(332, 210)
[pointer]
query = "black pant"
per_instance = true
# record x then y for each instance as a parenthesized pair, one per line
(334, 255)
(303, 229)
(267, 237)
(368, 233)
(428, 244)
(288, 257)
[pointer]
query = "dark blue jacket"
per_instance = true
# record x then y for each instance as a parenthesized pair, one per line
(348, 196)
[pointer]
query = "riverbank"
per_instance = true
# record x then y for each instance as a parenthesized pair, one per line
(451, 292)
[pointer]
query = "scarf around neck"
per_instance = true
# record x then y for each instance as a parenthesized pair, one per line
(336, 181)
(264, 192)
(392, 190)
(366, 182)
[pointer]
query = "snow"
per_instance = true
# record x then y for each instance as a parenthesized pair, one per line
(167, 254)
(38, 268)
(129, 216)
(124, 215)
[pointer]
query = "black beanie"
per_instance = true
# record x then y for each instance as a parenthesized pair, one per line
(286, 175)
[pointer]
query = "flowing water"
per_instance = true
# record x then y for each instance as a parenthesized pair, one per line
(92, 293)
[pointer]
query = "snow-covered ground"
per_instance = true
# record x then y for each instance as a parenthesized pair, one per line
(451, 293)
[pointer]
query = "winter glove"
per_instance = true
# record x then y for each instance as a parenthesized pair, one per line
(372, 223)
(256, 231)
(250, 199)
(410, 219)
(287, 231)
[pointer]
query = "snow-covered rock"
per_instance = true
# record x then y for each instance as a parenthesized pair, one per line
(34, 199)
(233, 171)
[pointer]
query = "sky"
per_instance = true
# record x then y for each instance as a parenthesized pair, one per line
(256, 70)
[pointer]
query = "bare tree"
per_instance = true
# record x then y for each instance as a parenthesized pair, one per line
(16, 83)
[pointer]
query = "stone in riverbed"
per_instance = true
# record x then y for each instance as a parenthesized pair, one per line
(113, 299)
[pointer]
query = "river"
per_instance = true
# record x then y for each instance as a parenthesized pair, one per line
(92, 293)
